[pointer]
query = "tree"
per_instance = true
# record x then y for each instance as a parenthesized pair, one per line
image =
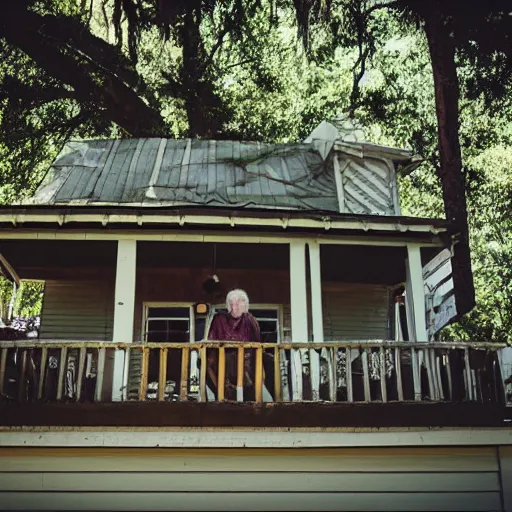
(451, 27)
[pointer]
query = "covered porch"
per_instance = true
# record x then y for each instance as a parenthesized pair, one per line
(125, 318)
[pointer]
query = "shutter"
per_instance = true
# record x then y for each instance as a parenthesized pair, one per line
(439, 292)
(78, 310)
(355, 311)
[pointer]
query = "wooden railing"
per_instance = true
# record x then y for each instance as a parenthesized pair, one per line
(345, 371)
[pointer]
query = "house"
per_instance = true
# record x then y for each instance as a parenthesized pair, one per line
(356, 407)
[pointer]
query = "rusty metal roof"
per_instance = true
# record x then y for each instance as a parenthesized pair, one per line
(169, 172)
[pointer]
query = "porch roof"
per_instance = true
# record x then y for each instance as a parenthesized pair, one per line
(173, 173)
(90, 217)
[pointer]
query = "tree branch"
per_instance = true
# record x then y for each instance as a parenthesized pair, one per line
(386, 5)
(91, 83)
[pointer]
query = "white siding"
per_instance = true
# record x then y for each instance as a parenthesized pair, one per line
(355, 311)
(78, 309)
(406, 479)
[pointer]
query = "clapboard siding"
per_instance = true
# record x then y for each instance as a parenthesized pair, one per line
(83, 309)
(432, 459)
(355, 311)
(233, 501)
(353, 479)
(78, 309)
(249, 482)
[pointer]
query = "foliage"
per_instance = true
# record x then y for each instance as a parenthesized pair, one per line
(28, 299)
(235, 69)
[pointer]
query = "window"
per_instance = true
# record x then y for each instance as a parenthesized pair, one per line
(167, 323)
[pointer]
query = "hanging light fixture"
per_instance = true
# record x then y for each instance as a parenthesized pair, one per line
(211, 284)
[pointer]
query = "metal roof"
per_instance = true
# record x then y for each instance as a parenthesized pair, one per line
(169, 172)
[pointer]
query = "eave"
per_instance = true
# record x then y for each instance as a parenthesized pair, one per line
(216, 218)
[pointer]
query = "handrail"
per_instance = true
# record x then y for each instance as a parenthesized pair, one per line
(52, 343)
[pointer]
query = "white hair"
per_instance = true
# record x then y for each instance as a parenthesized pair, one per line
(241, 294)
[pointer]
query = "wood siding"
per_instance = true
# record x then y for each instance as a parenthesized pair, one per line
(78, 309)
(84, 309)
(352, 479)
(355, 311)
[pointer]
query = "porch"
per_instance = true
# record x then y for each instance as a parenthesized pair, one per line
(356, 384)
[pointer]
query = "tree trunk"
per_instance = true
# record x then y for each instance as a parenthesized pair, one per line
(442, 54)
(204, 108)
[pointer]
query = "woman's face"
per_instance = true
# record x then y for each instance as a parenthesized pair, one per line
(238, 306)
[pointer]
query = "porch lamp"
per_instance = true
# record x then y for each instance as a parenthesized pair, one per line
(201, 308)
(211, 284)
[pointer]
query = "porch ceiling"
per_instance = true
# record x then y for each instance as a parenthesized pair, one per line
(45, 259)
(58, 254)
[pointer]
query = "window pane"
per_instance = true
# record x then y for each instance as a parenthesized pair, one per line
(264, 313)
(162, 312)
(178, 325)
(157, 325)
(157, 337)
(268, 326)
(168, 331)
(268, 331)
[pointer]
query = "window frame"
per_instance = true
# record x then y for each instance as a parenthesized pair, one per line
(152, 304)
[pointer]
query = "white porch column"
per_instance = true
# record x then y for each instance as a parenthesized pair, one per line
(123, 309)
(316, 315)
(316, 291)
(415, 272)
(299, 310)
(299, 305)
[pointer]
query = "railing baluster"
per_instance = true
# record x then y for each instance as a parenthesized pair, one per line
(3, 366)
(430, 374)
(296, 360)
(314, 373)
(22, 377)
(62, 371)
(98, 392)
(446, 358)
(202, 376)
(416, 375)
(469, 384)
(398, 371)
(286, 378)
(240, 370)
(143, 390)
(437, 373)
(366, 376)
(184, 374)
(258, 392)
(383, 388)
(348, 373)
(81, 369)
(42, 372)
(433, 367)
(162, 374)
(474, 385)
(333, 377)
(221, 375)
(126, 374)
(277, 375)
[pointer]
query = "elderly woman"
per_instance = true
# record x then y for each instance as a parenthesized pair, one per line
(235, 325)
